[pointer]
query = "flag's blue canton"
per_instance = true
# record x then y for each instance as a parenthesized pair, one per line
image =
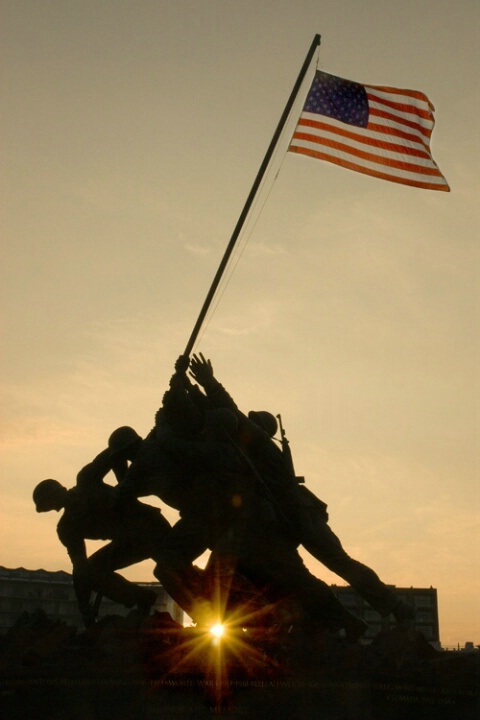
(340, 99)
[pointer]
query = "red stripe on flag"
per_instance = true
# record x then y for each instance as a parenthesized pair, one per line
(390, 117)
(401, 107)
(397, 91)
(369, 157)
(366, 140)
(367, 171)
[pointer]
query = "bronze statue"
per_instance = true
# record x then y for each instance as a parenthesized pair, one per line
(302, 513)
(91, 511)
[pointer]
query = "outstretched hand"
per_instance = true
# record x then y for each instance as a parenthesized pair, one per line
(201, 369)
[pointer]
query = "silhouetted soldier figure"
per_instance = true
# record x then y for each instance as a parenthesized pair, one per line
(305, 515)
(91, 512)
(192, 483)
(228, 511)
(151, 470)
(192, 466)
(92, 476)
(154, 470)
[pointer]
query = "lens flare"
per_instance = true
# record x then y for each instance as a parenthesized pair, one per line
(218, 630)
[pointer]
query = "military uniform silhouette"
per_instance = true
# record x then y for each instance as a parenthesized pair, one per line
(303, 513)
(231, 514)
(91, 511)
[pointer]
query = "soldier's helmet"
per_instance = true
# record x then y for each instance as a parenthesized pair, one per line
(44, 492)
(122, 438)
(265, 420)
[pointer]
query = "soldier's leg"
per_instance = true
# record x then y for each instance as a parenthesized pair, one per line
(203, 515)
(143, 533)
(184, 543)
(326, 547)
(102, 565)
(273, 560)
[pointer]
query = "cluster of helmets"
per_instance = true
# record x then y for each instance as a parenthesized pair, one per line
(125, 436)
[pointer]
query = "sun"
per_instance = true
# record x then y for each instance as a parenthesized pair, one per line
(217, 630)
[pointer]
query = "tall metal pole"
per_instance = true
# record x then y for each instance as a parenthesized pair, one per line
(251, 196)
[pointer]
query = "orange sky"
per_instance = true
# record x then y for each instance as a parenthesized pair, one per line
(132, 133)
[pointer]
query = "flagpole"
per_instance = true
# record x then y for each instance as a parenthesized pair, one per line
(251, 196)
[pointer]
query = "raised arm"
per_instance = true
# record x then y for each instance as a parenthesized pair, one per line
(93, 474)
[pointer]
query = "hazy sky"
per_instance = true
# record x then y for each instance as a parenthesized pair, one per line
(132, 131)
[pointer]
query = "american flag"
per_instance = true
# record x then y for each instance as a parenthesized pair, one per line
(379, 131)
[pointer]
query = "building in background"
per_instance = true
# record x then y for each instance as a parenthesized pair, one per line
(424, 601)
(24, 591)
(29, 590)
